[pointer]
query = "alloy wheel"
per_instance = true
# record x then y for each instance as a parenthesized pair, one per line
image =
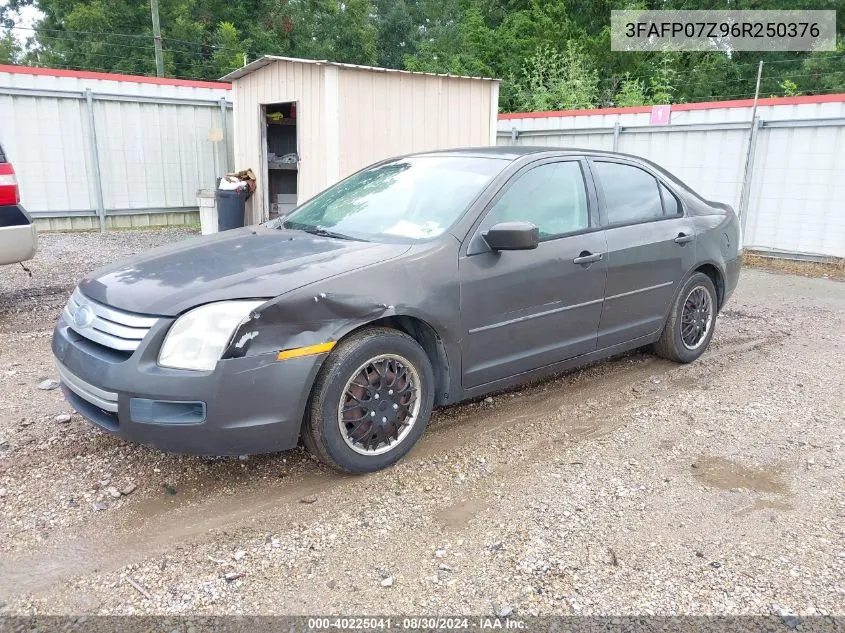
(696, 318)
(380, 404)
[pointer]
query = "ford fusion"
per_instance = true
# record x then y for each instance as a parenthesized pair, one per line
(416, 282)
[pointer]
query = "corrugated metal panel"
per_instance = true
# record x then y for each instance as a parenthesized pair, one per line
(387, 114)
(151, 155)
(798, 191)
(278, 83)
(156, 155)
(797, 201)
(46, 140)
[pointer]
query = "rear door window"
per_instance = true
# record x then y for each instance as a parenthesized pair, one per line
(2, 155)
(630, 193)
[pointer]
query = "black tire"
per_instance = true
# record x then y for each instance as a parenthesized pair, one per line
(321, 433)
(671, 344)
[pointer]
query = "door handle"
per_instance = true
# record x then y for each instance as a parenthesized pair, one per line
(683, 238)
(586, 257)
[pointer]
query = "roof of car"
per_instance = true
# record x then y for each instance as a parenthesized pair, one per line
(513, 152)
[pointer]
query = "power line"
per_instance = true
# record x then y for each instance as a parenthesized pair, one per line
(134, 58)
(71, 32)
(764, 94)
(40, 30)
(766, 78)
(146, 48)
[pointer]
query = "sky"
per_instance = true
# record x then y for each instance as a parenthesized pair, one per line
(28, 16)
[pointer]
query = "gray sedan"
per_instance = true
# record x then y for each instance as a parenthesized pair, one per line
(417, 282)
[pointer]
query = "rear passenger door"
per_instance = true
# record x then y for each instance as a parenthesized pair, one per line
(650, 248)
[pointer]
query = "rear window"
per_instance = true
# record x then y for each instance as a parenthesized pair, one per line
(2, 155)
(630, 194)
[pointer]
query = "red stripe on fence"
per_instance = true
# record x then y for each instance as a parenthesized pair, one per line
(87, 74)
(680, 107)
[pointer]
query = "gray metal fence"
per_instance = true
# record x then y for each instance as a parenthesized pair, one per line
(98, 152)
(785, 173)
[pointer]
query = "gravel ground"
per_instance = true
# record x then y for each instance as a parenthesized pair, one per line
(635, 486)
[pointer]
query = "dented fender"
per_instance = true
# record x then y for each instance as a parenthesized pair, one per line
(303, 321)
(330, 309)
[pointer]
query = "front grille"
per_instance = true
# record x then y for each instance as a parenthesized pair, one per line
(111, 328)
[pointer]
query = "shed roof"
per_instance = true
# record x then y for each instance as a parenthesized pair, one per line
(269, 59)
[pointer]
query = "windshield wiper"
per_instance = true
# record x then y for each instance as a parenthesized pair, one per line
(316, 230)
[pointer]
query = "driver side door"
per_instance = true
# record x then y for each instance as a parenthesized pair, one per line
(522, 310)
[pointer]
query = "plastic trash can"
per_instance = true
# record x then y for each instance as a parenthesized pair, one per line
(230, 208)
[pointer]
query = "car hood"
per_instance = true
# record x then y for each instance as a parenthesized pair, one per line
(253, 262)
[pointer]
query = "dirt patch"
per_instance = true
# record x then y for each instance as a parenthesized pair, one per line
(726, 474)
(571, 496)
(833, 269)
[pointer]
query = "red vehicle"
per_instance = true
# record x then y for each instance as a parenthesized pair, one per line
(18, 237)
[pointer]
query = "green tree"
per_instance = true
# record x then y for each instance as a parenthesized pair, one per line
(10, 50)
(631, 93)
(662, 82)
(397, 32)
(551, 80)
(499, 38)
(227, 47)
(789, 88)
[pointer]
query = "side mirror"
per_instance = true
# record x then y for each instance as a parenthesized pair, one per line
(512, 236)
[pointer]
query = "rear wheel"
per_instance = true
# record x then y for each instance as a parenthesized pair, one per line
(371, 401)
(690, 326)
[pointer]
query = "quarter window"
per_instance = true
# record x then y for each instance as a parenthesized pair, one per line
(552, 196)
(630, 193)
(671, 206)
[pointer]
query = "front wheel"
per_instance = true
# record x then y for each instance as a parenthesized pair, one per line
(690, 325)
(371, 401)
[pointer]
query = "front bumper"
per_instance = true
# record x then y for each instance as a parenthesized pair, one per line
(248, 405)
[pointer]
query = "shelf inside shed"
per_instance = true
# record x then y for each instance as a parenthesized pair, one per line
(282, 167)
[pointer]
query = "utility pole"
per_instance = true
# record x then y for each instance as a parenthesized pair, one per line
(756, 91)
(157, 39)
(745, 192)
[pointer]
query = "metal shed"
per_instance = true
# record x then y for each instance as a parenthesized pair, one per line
(302, 124)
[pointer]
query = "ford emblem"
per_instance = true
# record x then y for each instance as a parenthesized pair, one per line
(83, 317)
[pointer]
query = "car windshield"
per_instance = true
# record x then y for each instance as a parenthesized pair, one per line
(408, 199)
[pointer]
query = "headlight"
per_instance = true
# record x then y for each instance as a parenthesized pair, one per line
(199, 337)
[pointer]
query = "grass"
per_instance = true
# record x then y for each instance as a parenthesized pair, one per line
(832, 269)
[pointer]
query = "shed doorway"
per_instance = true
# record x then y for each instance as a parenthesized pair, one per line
(281, 167)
